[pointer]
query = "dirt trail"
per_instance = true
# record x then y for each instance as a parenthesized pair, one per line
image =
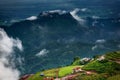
(68, 77)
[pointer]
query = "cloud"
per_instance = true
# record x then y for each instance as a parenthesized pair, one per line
(76, 17)
(7, 66)
(119, 46)
(83, 9)
(100, 41)
(7, 73)
(58, 11)
(95, 17)
(94, 47)
(18, 44)
(99, 44)
(14, 20)
(32, 18)
(95, 20)
(94, 23)
(42, 52)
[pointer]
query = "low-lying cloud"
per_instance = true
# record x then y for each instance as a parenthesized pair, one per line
(7, 66)
(99, 44)
(83, 9)
(43, 52)
(101, 41)
(31, 18)
(76, 17)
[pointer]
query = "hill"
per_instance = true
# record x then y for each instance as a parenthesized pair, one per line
(104, 67)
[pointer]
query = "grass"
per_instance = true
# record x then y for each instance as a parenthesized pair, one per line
(116, 77)
(103, 67)
(91, 77)
(77, 62)
(107, 66)
(113, 56)
(36, 77)
(52, 72)
(66, 70)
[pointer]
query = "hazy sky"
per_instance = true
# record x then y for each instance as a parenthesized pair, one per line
(29, 1)
(31, 7)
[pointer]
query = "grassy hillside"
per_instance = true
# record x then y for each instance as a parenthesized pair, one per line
(106, 67)
(91, 77)
(115, 56)
(116, 77)
(63, 71)
(76, 61)
(103, 67)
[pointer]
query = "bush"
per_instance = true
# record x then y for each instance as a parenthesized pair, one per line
(113, 56)
(106, 67)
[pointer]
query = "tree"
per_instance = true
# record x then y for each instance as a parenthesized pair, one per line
(76, 58)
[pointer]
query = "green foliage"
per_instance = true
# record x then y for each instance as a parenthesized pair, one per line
(91, 77)
(96, 56)
(51, 73)
(76, 61)
(66, 70)
(76, 58)
(113, 55)
(116, 77)
(36, 77)
(106, 67)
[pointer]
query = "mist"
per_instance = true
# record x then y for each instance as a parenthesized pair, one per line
(8, 70)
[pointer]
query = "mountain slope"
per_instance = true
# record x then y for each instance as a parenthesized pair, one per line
(63, 37)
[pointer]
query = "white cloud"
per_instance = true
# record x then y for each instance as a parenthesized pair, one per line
(94, 47)
(42, 52)
(101, 41)
(76, 17)
(99, 44)
(7, 45)
(58, 11)
(8, 73)
(32, 18)
(95, 17)
(83, 9)
(18, 44)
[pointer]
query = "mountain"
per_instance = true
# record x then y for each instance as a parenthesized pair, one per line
(52, 38)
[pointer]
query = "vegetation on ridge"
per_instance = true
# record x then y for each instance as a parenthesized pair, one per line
(104, 67)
